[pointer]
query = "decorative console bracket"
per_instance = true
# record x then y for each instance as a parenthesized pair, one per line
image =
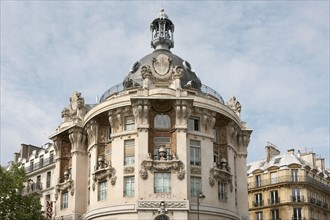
(222, 175)
(67, 185)
(175, 166)
(102, 172)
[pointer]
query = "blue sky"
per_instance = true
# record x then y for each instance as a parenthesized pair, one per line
(272, 55)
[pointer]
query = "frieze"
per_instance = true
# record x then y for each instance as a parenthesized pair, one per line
(128, 170)
(70, 217)
(166, 204)
(174, 165)
(195, 171)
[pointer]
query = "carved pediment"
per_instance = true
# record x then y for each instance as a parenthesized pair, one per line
(104, 172)
(174, 166)
(220, 175)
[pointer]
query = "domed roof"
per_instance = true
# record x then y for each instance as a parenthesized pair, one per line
(162, 64)
(188, 79)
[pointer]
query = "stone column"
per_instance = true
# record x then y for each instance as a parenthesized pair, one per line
(241, 178)
(79, 169)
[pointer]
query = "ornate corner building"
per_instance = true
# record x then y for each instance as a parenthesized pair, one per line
(289, 186)
(152, 145)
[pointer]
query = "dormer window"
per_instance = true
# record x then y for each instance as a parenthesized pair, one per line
(162, 121)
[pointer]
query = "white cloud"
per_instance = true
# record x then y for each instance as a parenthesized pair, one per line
(274, 56)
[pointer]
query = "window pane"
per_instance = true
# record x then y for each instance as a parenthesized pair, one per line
(162, 182)
(195, 186)
(102, 191)
(129, 186)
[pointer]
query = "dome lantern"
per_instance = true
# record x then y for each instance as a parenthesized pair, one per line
(162, 30)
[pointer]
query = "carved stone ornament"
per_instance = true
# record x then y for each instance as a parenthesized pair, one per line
(162, 204)
(70, 217)
(162, 67)
(221, 175)
(66, 185)
(76, 110)
(128, 170)
(174, 165)
(235, 105)
(104, 171)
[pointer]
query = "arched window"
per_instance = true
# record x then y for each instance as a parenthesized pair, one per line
(162, 121)
(162, 217)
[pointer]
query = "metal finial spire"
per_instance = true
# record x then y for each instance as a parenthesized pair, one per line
(162, 30)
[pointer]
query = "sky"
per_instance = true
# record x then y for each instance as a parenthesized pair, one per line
(272, 55)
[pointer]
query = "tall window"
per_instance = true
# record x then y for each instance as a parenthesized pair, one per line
(195, 186)
(273, 178)
(294, 175)
(296, 195)
(297, 214)
(258, 180)
(222, 195)
(216, 155)
(195, 152)
(41, 161)
(274, 197)
(102, 191)
(129, 186)
(258, 215)
(193, 124)
(129, 152)
(51, 156)
(31, 165)
(162, 121)
(49, 177)
(275, 214)
(258, 199)
(64, 200)
(129, 123)
(162, 182)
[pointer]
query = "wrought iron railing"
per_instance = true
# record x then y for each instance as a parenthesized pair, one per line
(40, 164)
(33, 187)
(288, 179)
(205, 90)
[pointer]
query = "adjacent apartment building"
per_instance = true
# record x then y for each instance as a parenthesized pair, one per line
(39, 165)
(289, 186)
(160, 145)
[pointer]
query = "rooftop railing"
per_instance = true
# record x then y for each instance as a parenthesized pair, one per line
(40, 164)
(288, 179)
(138, 84)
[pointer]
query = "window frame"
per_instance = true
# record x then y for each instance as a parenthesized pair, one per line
(195, 153)
(194, 124)
(129, 191)
(129, 158)
(222, 192)
(129, 126)
(162, 187)
(102, 190)
(195, 186)
(64, 200)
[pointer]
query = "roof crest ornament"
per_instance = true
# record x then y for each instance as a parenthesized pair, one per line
(162, 30)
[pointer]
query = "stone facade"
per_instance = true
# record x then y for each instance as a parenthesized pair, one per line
(152, 146)
(289, 186)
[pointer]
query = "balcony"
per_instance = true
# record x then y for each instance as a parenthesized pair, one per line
(288, 179)
(297, 199)
(39, 165)
(258, 203)
(205, 90)
(32, 188)
(274, 201)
